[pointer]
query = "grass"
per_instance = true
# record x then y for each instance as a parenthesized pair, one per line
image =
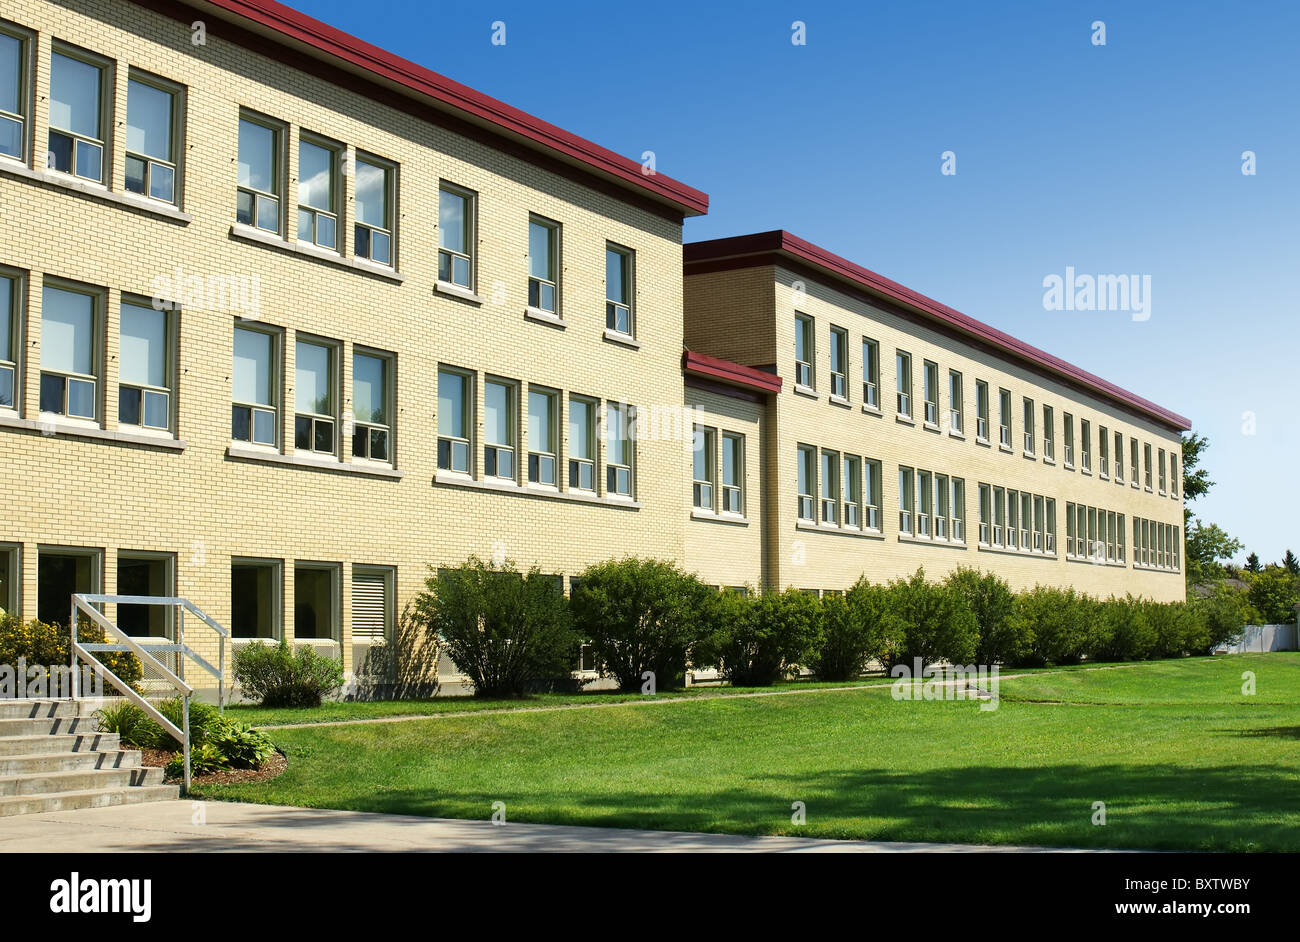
(1180, 757)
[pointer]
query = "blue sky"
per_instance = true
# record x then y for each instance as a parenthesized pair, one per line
(1123, 158)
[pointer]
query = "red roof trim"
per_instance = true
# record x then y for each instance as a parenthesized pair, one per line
(733, 373)
(334, 42)
(739, 252)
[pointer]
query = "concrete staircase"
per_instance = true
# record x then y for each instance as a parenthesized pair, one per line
(52, 758)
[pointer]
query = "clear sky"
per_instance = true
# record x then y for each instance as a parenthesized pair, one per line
(1117, 159)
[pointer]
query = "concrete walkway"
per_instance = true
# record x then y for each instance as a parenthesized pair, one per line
(185, 826)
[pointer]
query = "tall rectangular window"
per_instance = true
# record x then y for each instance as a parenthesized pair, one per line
(1050, 543)
(254, 410)
(957, 518)
(906, 499)
(1026, 519)
(1029, 426)
(1173, 474)
(1103, 450)
(839, 363)
(703, 446)
(803, 352)
(851, 491)
(373, 207)
(830, 483)
(1013, 519)
(500, 412)
(315, 397)
(70, 352)
(1049, 434)
(981, 410)
(942, 495)
(455, 405)
(10, 570)
(151, 147)
(733, 474)
(456, 236)
(619, 448)
(318, 193)
(77, 116)
(145, 371)
(255, 598)
(1067, 433)
(543, 436)
(930, 390)
(619, 275)
(956, 404)
(806, 471)
(543, 265)
(10, 316)
(582, 443)
(372, 427)
(1004, 417)
(1146, 464)
(1119, 457)
(374, 606)
(1038, 523)
(986, 513)
(260, 174)
(925, 500)
(870, 373)
(1120, 531)
(1133, 464)
(999, 513)
(1160, 464)
(1085, 445)
(15, 94)
(316, 601)
(903, 375)
(149, 575)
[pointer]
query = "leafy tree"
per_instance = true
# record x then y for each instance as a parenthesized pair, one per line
(1253, 564)
(854, 631)
(937, 623)
(1196, 480)
(993, 603)
(1291, 564)
(1274, 593)
(759, 639)
(1206, 545)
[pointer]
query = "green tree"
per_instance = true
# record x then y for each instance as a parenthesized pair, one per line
(1291, 564)
(1196, 480)
(1206, 546)
(1253, 563)
(1274, 593)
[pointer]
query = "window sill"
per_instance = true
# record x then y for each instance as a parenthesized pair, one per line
(545, 317)
(623, 340)
(1029, 456)
(53, 427)
(842, 531)
(95, 191)
(1004, 551)
(1006, 449)
(1051, 461)
(932, 541)
(1145, 568)
(983, 441)
(455, 479)
(1089, 561)
(1067, 466)
(840, 401)
(733, 519)
(456, 291)
(955, 434)
(904, 419)
(251, 234)
(808, 391)
(246, 452)
(931, 427)
(872, 410)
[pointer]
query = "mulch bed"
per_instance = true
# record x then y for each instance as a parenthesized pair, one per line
(272, 767)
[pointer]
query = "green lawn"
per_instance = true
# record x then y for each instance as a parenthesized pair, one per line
(1180, 757)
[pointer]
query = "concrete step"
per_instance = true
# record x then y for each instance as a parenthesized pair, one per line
(47, 726)
(46, 783)
(70, 742)
(38, 709)
(96, 798)
(69, 761)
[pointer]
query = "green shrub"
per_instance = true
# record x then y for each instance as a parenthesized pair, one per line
(239, 746)
(853, 632)
(204, 760)
(1001, 638)
(642, 615)
(1054, 623)
(758, 639)
(1129, 635)
(276, 676)
(509, 632)
(132, 725)
(203, 717)
(46, 645)
(935, 622)
(1225, 613)
(1179, 629)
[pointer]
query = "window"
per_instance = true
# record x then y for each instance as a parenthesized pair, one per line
(986, 513)
(733, 470)
(807, 475)
(254, 412)
(1081, 547)
(1133, 463)
(60, 572)
(618, 444)
(870, 373)
(14, 93)
(10, 574)
(77, 116)
(255, 598)
(1004, 417)
(851, 491)
(543, 436)
(903, 373)
(926, 497)
(957, 518)
(999, 513)
(906, 499)
(1103, 450)
(582, 443)
(10, 318)
(315, 397)
(259, 174)
(318, 193)
(618, 290)
(1069, 529)
(151, 147)
(704, 441)
(1164, 481)
(456, 236)
(543, 265)
(1067, 430)
(372, 427)
(839, 363)
(981, 410)
(499, 416)
(145, 367)
(941, 507)
(1111, 530)
(956, 409)
(1038, 523)
(803, 351)
(1013, 519)
(1121, 552)
(374, 210)
(830, 488)
(1026, 519)
(1146, 464)
(1050, 542)
(871, 493)
(454, 408)
(1173, 470)
(1119, 457)
(374, 607)
(1049, 434)
(1085, 445)
(930, 390)
(147, 574)
(316, 598)
(69, 352)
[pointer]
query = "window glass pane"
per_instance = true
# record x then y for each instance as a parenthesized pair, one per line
(148, 121)
(369, 402)
(74, 96)
(615, 282)
(313, 389)
(496, 417)
(580, 443)
(539, 422)
(539, 251)
(67, 325)
(6, 318)
(451, 405)
(315, 178)
(257, 157)
(11, 64)
(451, 221)
(372, 195)
(700, 457)
(252, 380)
(731, 461)
(144, 346)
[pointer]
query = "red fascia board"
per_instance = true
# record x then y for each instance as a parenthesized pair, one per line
(733, 373)
(732, 253)
(330, 41)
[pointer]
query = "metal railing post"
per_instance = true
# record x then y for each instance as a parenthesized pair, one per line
(187, 743)
(72, 650)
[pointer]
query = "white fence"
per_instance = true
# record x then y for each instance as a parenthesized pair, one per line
(1260, 638)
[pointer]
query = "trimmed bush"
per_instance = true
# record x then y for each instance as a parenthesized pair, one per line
(935, 621)
(1054, 623)
(853, 631)
(1179, 630)
(1001, 638)
(1128, 635)
(643, 615)
(47, 645)
(276, 676)
(760, 639)
(1225, 614)
(508, 631)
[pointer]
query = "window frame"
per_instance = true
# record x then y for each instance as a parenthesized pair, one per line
(903, 383)
(553, 409)
(1027, 425)
(906, 500)
(930, 392)
(1085, 446)
(492, 450)
(982, 406)
(956, 402)
(171, 333)
(390, 170)
(26, 40)
(612, 305)
(107, 89)
(338, 156)
(1067, 433)
(447, 444)
(851, 491)
(612, 468)
(177, 93)
(17, 322)
(1103, 452)
(805, 328)
(838, 351)
(704, 442)
(870, 374)
(389, 576)
(276, 566)
(276, 383)
(368, 426)
(554, 264)
(98, 310)
(737, 490)
(574, 462)
(469, 256)
(1005, 426)
(1049, 433)
(279, 173)
(806, 464)
(315, 419)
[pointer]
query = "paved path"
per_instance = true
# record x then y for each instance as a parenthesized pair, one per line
(229, 826)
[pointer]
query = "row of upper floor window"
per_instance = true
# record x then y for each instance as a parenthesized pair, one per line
(1152, 468)
(73, 391)
(718, 472)
(331, 175)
